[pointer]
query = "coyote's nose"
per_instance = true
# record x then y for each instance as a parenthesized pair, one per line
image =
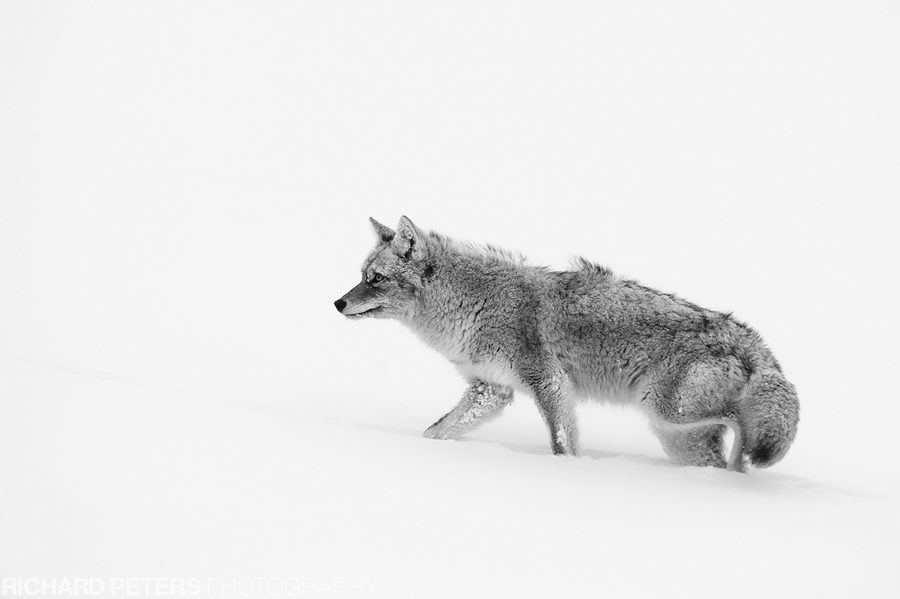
(340, 305)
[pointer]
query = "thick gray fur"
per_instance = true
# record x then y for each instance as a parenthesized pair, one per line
(581, 333)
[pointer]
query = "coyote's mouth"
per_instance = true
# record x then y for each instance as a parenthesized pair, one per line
(368, 312)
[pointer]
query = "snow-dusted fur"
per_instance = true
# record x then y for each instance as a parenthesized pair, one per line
(585, 332)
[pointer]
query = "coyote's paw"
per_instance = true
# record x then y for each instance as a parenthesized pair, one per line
(437, 431)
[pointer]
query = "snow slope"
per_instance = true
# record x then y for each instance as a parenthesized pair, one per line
(114, 478)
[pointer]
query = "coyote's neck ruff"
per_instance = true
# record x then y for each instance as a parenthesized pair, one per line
(585, 332)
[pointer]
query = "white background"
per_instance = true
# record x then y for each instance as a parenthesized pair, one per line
(184, 190)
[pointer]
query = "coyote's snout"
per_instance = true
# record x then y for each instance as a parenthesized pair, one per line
(585, 332)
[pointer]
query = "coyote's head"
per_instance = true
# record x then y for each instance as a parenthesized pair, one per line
(391, 275)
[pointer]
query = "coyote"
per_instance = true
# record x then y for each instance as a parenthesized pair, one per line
(584, 332)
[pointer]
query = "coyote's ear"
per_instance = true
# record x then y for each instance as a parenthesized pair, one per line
(385, 234)
(409, 243)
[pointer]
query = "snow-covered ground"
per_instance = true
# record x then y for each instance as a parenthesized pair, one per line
(106, 476)
(184, 191)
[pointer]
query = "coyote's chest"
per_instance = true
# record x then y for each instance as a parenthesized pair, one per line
(491, 371)
(473, 364)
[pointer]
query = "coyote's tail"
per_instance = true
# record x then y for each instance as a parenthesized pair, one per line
(769, 411)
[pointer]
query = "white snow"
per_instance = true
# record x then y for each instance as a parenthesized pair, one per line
(184, 190)
(108, 477)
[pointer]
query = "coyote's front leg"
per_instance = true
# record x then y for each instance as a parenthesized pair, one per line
(481, 402)
(550, 387)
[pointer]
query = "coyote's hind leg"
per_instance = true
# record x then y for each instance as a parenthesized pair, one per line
(481, 402)
(691, 409)
(699, 443)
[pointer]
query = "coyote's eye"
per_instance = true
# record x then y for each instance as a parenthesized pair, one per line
(377, 277)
